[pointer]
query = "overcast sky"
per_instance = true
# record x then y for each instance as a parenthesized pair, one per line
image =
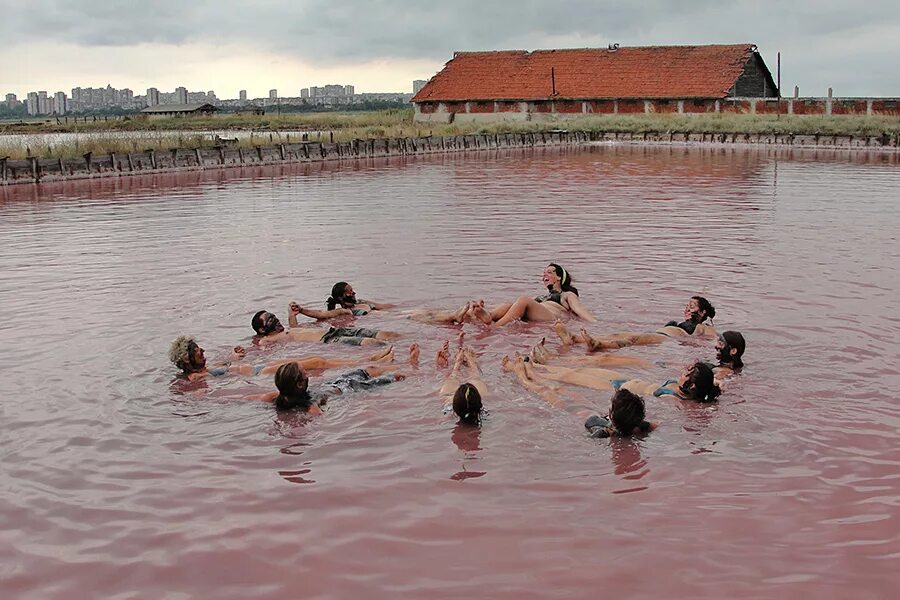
(382, 45)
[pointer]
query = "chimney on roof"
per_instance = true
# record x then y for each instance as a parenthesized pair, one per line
(613, 47)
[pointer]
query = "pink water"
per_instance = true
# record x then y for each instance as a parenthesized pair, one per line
(115, 483)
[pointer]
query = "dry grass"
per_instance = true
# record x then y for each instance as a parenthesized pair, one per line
(138, 135)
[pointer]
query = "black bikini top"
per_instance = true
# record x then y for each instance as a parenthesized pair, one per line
(688, 326)
(551, 297)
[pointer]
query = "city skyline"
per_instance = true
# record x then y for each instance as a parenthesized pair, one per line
(87, 99)
(229, 46)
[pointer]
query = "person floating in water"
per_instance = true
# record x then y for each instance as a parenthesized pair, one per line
(270, 330)
(626, 414)
(342, 295)
(626, 417)
(188, 356)
(561, 298)
(697, 310)
(729, 350)
(462, 393)
(293, 393)
(696, 382)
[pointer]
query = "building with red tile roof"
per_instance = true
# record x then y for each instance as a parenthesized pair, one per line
(519, 85)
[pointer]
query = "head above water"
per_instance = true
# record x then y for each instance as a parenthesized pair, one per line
(341, 293)
(187, 355)
(558, 279)
(697, 382)
(626, 411)
(730, 348)
(265, 323)
(293, 386)
(467, 404)
(698, 309)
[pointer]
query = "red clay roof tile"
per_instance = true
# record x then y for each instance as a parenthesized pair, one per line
(590, 73)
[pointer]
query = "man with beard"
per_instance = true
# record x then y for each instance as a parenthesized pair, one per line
(729, 350)
(270, 330)
(188, 356)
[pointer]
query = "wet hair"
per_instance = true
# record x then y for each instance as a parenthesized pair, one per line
(734, 339)
(467, 404)
(701, 385)
(256, 322)
(289, 378)
(181, 353)
(704, 305)
(337, 294)
(626, 411)
(565, 280)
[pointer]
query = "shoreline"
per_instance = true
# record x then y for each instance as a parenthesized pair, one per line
(34, 170)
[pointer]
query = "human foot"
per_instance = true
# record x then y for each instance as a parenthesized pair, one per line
(564, 336)
(539, 353)
(414, 352)
(481, 313)
(381, 354)
(591, 343)
(442, 360)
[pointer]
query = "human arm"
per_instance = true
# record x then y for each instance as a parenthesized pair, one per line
(572, 302)
(295, 309)
(376, 305)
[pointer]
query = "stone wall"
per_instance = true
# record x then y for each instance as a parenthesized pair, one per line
(37, 169)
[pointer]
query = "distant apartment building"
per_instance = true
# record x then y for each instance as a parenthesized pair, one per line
(31, 103)
(45, 103)
(181, 95)
(12, 101)
(304, 94)
(242, 95)
(349, 90)
(273, 94)
(315, 92)
(418, 84)
(59, 103)
(152, 97)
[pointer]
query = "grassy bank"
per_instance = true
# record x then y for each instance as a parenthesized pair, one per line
(137, 135)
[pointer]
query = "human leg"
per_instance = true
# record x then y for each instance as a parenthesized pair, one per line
(529, 308)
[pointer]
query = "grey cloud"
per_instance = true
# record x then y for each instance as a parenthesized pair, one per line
(329, 33)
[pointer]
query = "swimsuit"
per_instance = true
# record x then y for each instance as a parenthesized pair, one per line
(219, 371)
(599, 427)
(358, 312)
(663, 390)
(348, 335)
(358, 380)
(551, 297)
(687, 326)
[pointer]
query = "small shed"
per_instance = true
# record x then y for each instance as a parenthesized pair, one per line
(179, 110)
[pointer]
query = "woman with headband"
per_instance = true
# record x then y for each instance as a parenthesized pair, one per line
(561, 297)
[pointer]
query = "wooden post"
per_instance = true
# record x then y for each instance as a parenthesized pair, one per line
(62, 167)
(152, 158)
(35, 169)
(3, 168)
(221, 155)
(112, 160)
(281, 148)
(199, 157)
(241, 155)
(130, 162)
(259, 153)
(87, 161)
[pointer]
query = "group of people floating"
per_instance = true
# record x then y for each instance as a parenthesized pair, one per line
(551, 375)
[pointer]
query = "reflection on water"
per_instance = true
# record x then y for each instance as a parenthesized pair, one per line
(119, 481)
